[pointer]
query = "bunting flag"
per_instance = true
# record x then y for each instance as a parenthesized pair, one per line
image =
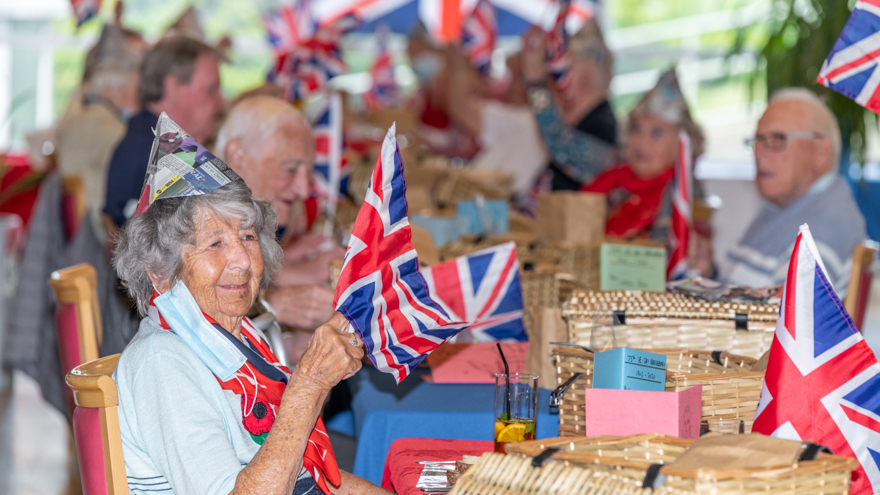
(851, 67)
(85, 10)
(290, 26)
(307, 67)
(331, 170)
(822, 382)
(558, 58)
(478, 35)
(682, 208)
(383, 90)
(380, 290)
(482, 288)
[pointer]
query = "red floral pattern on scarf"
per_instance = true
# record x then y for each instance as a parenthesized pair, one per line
(318, 458)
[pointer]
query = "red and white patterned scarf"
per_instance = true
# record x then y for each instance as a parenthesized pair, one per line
(261, 399)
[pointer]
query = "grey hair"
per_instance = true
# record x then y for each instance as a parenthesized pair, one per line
(253, 120)
(826, 123)
(155, 241)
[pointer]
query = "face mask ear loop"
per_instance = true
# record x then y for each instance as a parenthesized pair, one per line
(256, 389)
(243, 391)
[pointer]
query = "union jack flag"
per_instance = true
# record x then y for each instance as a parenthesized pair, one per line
(478, 35)
(380, 290)
(482, 288)
(331, 169)
(307, 67)
(851, 67)
(85, 10)
(682, 201)
(822, 382)
(558, 58)
(383, 91)
(290, 26)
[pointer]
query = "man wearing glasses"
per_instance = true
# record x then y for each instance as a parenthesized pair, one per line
(797, 151)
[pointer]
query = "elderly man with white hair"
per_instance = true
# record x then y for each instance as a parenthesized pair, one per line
(797, 148)
(270, 145)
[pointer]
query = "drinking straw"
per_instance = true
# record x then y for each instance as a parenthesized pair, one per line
(506, 381)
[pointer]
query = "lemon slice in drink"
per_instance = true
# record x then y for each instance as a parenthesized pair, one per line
(515, 432)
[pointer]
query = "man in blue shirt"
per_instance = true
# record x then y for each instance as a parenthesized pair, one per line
(179, 76)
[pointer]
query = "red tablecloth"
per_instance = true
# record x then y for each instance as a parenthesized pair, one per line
(401, 471)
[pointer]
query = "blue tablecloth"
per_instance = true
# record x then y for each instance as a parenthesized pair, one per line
(383, 412)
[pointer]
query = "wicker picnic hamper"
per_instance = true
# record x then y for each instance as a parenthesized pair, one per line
(589, 303)
(632, 456)
(695, 334)
(730, 390)
(498, 474)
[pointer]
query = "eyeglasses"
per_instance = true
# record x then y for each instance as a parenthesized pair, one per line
(776, 141)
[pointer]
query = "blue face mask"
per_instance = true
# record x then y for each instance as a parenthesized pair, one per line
(185, 318)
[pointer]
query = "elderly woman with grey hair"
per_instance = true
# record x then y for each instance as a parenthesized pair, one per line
(204, 405)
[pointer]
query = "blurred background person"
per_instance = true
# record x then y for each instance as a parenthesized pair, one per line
(179, 76)
(87, 136)
(431, 101)
(797, 150)
(504, 127)
(639, 189)
(576, 121)
(270, 145)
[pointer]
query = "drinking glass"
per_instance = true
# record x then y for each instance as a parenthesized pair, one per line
(516, 406)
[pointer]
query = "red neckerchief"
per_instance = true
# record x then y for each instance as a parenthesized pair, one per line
(633, 203)
(258, 410)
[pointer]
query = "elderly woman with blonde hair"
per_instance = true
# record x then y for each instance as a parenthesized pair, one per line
(204, 405)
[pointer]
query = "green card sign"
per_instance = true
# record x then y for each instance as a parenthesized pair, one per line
(632, 267)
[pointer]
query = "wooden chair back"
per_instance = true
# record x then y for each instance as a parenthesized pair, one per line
(77, 317)
(861, 276)
(96, 427)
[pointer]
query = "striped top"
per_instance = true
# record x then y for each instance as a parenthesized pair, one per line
(762, 255)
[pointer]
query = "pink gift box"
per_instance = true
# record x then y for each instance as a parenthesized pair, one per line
(634, 412)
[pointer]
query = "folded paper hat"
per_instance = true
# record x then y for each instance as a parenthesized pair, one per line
(113, 53)
(187, 25)
(665, 100)
(180, 166)
(588, 42)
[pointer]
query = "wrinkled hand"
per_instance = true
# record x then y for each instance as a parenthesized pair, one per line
(330, 357)
(301, 306)
(534, 55)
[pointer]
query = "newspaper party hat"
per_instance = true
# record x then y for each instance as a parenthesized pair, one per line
(665, 100)
(180, 166)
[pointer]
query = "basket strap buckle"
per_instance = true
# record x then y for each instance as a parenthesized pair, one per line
(538, 460)
(812, 450)
(653, 479)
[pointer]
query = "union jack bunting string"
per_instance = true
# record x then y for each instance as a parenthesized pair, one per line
(482, 288)
(85, 10)
(851, 67)
(478, 35)
(823, 381)
(682, 201)
(383, 91)
(558, 58)
(290, 26)
(307, 67)
(380, 290)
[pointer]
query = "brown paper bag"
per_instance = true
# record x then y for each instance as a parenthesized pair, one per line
(548, 326)
(737, 452)
(571, 216)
